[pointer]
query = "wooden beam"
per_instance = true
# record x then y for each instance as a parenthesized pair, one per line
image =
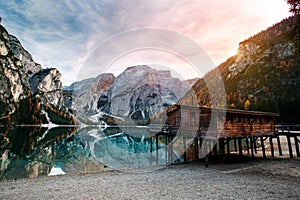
(196, 149)
(289, 145)
(206, 160)
(170, 146)
(247, 144)
(279, 146)
(213, 145)
(151, 150)
(235, 145)
(221, 146)
(240, 146)
(184, 147)
(254, 144)
(263, 146)
(251, 147)
(297, 146)
(228, 146)
(272, 146)
(166, 148)
(156, 141)
(201, 147)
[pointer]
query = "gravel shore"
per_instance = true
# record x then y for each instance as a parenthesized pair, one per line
(259, 179)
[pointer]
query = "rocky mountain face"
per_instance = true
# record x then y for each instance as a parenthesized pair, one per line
(265, 71)
(24, 84)
(14, 79)
(140, 92)
(135, 95)
(24, 56)
(82, 97)
(47, 82)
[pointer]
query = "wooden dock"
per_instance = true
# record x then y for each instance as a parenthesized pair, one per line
(283, 144)
(204, 132)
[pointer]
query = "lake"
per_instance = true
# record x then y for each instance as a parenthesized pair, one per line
(32, 151)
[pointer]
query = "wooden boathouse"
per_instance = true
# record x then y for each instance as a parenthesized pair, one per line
(218, 131)
(222, 122)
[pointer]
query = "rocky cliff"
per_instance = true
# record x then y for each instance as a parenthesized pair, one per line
(265, 71)
(24, 56)
(82, 97)
(47, 83)
(141, 92)
(25, 87)
(14, 79)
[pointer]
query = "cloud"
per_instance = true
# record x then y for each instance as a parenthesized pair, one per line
(64, 33)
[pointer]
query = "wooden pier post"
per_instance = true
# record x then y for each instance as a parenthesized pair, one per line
(271, 145)
(196, 148)
(228, 145)
(279, 146)
(201, 147)
(151, 150)
(235, 145)
(247, 144)
(254, 143)
(289, 145)
(214, 146)
(251, 147)
(221, 146)
(184, 147)
(263, 146)
(240, 146)
(170, 145)
(156, 141)
(297, 146)
(206, 160)
(166, 148)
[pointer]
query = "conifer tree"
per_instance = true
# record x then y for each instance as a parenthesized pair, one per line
(294, 6)
(295, 34)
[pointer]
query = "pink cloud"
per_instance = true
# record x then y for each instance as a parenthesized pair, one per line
(219, 26)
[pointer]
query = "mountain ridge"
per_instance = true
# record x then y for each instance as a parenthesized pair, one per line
(135, 94)
(265, 71)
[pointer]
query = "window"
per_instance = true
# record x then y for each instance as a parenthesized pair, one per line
(193, 119)
(177, 121)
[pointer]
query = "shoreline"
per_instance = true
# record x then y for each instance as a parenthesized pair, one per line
(232, 160)
(258, 179)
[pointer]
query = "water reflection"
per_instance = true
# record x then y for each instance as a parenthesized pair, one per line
(38, 151)
(30, 151)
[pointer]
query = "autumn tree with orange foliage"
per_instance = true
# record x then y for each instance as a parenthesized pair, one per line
(247, 105)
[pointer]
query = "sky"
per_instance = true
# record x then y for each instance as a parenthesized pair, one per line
(86, 38)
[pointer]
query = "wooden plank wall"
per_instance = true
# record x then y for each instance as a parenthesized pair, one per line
(234, 124)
